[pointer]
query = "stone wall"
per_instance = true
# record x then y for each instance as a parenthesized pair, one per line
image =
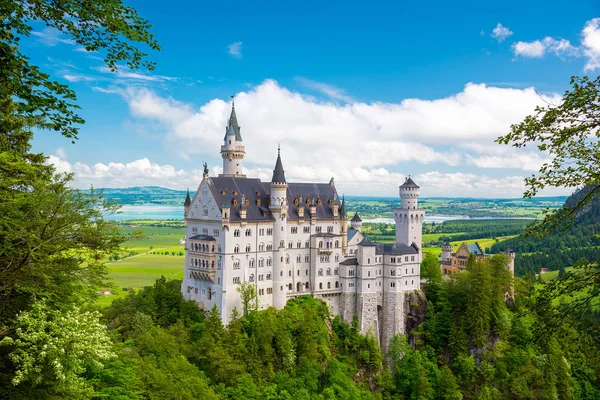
(393, 317)
(347, 307)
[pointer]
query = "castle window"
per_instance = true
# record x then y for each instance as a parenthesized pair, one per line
(236, 279)
(236, 265)
(330, 229)
(320, 271)
(269, 276)
(248, 232)
(308, 202)
(289, 273)
(328, 272)
(337, 258)
(406, 258)
(392, 272)
(306, 258)
(251, 278)
(306, 229)
(307, 244)
(319, 201)
(299, 245)
(412, 258)
(269, 231)
(393, 260)
(368, 261)
(216, 233)
(369, 273)
(296, 202)
(287, 259)
(320, 244)
(234, 202)
(369, 286)
(337, 284)
(351, 284)
(258, 202)
(261, 262)
(320, 285)
(392, 284)
(294, 229)
(330, 201)
(269, 262)
(251, 263)
(298, 272)
(212, 264)
(336, 271)
(235, 192)
(413, 270)
(247, 201)
(269, 247)
(318, 229)
(205, 211)
(337, 244)
(299, 258)
(236, 249)
(290, 245)
(236, 233)
(282, 244)
(219, 248)
(328, 285)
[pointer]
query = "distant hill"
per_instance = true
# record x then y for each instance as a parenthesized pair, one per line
(564, 246)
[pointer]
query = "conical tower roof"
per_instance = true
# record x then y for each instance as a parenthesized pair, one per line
(356, 218)
(278, 172)
(409, 183)
(343, 208)
(366, 242)
(188, 199)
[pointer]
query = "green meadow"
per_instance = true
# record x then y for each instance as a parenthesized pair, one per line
(149, 261)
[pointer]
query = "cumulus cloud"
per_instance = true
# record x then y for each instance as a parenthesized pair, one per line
(591, 44)
(500, 32)
(378, 181)
(324, 134)
(538, 48)
(235, 49)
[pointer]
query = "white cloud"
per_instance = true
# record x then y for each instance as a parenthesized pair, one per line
(235, 49)
(500, 33)
(538, 48)
(591, 44)
(128, 75)
(79, 78)
(326, 89)
(51, 37)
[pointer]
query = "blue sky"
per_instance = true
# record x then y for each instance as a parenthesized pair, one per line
(367, 92)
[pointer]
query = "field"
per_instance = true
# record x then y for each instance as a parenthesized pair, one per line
(149, 263)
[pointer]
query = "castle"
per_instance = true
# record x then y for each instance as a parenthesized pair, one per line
(457, 261)
(292, 239)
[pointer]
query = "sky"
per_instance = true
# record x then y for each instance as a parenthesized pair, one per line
(365, 92)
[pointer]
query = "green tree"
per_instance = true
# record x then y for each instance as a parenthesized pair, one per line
(249, 296)
(51, 348)
(430, 268)
(565, 131)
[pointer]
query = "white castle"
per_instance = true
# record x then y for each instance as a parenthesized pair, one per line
(292, 239)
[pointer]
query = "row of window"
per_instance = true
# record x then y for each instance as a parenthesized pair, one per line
(203, 247)
(194, 262)
(260, 277)
(205, 231)
(328, 271)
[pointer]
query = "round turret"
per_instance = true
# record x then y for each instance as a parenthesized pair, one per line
(409, 194)
(356, 222)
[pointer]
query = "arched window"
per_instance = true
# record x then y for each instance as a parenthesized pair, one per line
(336, 271)
(320, 285)
(328, 271)
(282, 244)
(337, 258)
(328, 285)
(337, 284)
(248, 232)
(218, 248)
(251, 263)
(236, 233)
(290, 245)
(251, 278)
(236, 249)
(269, 276)
(320, 271)
(247, 248)
(307, 244)
(337, 243)
(213, 248)
(212, 264)
(298, 258)
(290, 286)
(287, 259)
(320, 244)
(299, 245)
(195, 262)
(269, 262)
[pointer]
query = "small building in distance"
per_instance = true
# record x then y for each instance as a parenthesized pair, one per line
(457, 261)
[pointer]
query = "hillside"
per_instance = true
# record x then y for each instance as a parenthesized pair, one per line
(144, 195)
(564, 246)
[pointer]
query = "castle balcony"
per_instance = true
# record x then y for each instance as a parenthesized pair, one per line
(325, 251)
(204, 274)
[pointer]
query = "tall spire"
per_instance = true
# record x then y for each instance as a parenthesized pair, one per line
(188, 200)
(278, 172)
(232, 123)
(343, 207)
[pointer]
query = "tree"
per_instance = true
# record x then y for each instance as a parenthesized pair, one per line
(430, 268)
(566, 132)
(561, 271)
(249, 296)
(107, 26)
(52, 348)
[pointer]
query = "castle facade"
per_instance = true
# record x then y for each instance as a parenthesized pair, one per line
(291, 239)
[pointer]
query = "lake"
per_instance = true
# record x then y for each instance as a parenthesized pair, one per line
(152, 211)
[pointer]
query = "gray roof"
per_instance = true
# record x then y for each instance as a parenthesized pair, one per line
(366, 242)
(343, 208)
(278, 172)
(350, 261)
(254, 212)
(475, 249)
(409, 183)
(188, 200)
(396, 249)
(252, 188)
(203, 237)
(356, 218)
(314, 192)
(351, 233)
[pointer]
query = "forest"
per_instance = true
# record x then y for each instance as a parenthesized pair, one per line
(570, 242)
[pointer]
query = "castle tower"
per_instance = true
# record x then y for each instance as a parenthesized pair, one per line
(356, 222)
(409, 219)
(232, 150)
(447, 251)
(278, 208)
(344, 227)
